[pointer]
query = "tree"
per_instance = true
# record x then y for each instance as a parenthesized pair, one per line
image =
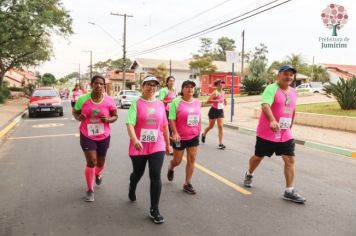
(334, 17)
(68, 77)
(206, 48)
(223, 44)
(102, 66)
(203, 63)
(318, 73)
(260, 53)
(48, 79)
(25, 30)
(161, 73)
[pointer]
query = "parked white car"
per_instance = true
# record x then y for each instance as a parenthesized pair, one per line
(125, 97)
(307, 87)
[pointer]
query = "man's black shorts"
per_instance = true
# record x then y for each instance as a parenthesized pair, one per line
(267, 148)
(194, 142)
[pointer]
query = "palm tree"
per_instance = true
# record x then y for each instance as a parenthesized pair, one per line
(319, 74)
(297, 61)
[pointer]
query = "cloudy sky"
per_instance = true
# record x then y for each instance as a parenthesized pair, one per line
(294, 27)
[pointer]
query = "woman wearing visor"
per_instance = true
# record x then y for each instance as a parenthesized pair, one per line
(147, 127)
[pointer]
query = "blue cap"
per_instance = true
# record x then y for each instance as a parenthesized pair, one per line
(286, 68)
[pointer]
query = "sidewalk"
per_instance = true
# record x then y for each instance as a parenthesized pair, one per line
(10, 110)
(244, 118)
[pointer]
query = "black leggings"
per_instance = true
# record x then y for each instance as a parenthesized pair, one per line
(155, 162)
(170, 130)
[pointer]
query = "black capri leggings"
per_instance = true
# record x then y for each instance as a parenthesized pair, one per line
(155, 162)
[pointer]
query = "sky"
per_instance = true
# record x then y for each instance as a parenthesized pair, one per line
(294, 27)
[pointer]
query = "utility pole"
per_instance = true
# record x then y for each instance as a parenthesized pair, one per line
(312, 71)
(91, 63)
(170, 67)
(79, 73)
(124, 48)
(243, 55)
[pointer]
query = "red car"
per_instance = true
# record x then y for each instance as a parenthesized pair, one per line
(45, 101)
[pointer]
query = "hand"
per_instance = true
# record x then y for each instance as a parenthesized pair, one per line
(168, 150)
(225, 102)
(175, 137)
(274, 126)
(81, 117)
(138, 145)
(104, 119)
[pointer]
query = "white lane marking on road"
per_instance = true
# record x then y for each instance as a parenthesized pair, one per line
(49, 125)
(44, 136)
(50, 119)
(221, 179)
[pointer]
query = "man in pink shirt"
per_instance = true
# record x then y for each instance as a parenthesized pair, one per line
(274, 133)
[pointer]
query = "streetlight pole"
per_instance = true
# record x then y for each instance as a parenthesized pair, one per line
(124, 48)
(243, 55)
(91, 62)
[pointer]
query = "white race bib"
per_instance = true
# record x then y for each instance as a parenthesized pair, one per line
(95, 129)
(149, 135)
(285, 123)
(193, 120)
(220, 105)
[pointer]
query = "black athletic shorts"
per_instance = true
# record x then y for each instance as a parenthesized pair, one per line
(194, 142)
(101, 147)
(72, 103)
(215, 113)
(267, 148)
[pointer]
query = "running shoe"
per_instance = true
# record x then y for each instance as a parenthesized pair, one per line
(132, 194)
(170, 175)
(202, 138)
(98, 179)
(294, 197)
(188, 188)
(248, 180)
(89, 196)
(221, 146)
(156, 216)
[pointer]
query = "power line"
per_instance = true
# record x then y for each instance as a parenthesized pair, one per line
(212, 28)
(178, 24)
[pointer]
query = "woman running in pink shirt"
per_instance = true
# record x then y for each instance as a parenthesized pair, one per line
(185, 121)
(216, 112)
(95, 111)
(147, 127)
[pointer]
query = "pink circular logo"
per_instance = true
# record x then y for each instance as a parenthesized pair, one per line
(334, 17)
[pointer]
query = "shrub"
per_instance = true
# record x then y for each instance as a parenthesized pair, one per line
(253, 86)
(344, 91)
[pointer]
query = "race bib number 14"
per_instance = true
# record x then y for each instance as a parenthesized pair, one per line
(95, 129)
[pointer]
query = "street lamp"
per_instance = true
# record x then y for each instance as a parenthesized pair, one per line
(106, 32)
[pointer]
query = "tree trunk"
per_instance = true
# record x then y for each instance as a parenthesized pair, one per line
(334, 30)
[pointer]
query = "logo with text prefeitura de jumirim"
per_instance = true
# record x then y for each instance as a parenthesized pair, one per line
(334, 17)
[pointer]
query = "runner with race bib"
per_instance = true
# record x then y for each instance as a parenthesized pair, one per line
(216, 112)
(95, 111)
(274, 134)
(166, 95)
(185, 121)
(76, 93)
(147, 127)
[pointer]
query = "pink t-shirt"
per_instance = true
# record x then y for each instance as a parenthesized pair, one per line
(92, 127)
(148, 118)
(170, 96)
(282, 106)
(76, 94)
(218, 96)
(187, 116)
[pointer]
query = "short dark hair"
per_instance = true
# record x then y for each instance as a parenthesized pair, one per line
(95, 77)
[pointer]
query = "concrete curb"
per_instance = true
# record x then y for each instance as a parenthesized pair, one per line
(311, 144)
(11, 124)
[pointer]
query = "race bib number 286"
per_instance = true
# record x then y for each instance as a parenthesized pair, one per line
(148, 135)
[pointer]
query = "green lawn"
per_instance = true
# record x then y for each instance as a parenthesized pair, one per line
(329, 108)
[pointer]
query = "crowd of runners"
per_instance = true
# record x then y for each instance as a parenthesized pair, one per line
(171, 125)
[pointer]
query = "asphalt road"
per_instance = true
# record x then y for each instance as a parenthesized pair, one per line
(42, 184)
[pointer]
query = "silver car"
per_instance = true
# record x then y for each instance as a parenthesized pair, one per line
(125, 97)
